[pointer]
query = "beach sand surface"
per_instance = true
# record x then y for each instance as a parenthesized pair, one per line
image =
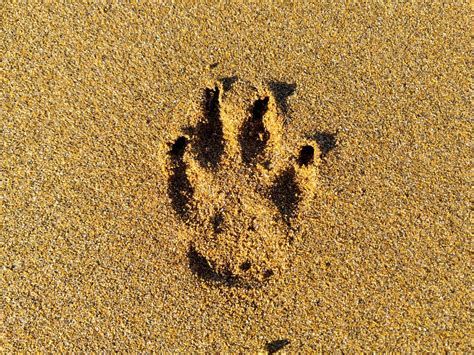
(230, 177)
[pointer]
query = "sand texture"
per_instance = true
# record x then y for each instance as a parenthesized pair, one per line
(230, 177)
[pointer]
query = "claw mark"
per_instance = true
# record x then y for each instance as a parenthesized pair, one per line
(178, 147)
(254, 135)
(179, 187)
(209, 133)
(306, 155)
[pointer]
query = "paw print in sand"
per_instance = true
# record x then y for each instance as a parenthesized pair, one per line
(239, 188)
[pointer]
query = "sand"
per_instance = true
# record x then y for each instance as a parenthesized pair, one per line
(236, 178)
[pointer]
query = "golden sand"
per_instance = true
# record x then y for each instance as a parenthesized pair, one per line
(239, 178)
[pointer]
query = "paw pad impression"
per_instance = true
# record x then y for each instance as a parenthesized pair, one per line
(239, 188)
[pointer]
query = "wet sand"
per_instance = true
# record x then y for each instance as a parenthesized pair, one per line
(229, 178)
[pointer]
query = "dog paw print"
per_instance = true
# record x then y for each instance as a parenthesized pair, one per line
(239, 187)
